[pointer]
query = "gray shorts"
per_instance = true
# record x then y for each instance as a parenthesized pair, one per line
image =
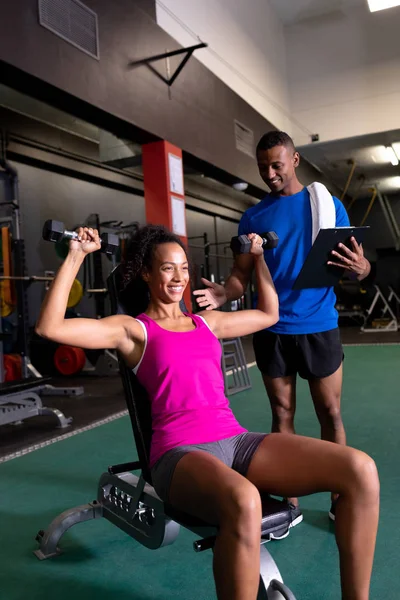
(235, 452)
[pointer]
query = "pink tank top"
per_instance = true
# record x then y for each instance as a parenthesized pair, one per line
(181, 372)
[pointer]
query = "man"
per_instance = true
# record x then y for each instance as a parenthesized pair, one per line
(306, 339)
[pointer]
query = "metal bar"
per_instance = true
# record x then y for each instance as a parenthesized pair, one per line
(210, 254)
(357, 194)
(387, 217)
(28, 278)
(206, 256)
(216, 243)
(145, 61)
(179, 69)
(220, 243)
(370, 205)
(350, 177)
(393, 219)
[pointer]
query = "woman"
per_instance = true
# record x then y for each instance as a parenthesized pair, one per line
(202, 460)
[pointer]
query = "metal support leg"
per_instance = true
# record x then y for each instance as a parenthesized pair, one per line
(49, 539)
(271, 584)
(23, 405)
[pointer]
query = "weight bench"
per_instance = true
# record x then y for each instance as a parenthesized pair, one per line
(21, 400)
(129, 501)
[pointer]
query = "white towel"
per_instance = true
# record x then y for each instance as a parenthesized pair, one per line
(323, 210)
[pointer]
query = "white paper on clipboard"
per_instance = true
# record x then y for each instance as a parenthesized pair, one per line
(175, 174)
(178, 216)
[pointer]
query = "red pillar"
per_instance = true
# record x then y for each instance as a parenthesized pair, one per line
(164, 192)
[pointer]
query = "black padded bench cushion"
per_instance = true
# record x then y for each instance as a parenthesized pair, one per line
(275, 516)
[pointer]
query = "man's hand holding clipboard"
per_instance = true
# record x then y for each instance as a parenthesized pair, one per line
(352, 260)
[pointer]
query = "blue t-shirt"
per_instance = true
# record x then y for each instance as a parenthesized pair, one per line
(300, 311)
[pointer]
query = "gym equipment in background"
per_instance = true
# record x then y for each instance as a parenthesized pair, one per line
(130, 502)
(387, 321)
(241, 244)
(102, 363)
(234, 367)
(21, 399)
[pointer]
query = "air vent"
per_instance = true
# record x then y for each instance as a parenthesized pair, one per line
(244, 139)
(73, 22)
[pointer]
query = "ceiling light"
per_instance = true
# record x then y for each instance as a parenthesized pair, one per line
(375, 5)
(395, 182)
(391, 156)
(240, 186)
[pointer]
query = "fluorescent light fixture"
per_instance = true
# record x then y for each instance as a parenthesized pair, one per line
(396, 148)
(391, 155)
(395, 181)
(375, 5)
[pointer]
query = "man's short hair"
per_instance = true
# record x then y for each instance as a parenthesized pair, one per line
(275, 138)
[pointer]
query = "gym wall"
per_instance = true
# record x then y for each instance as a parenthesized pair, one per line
(45, 195)
(197, 113)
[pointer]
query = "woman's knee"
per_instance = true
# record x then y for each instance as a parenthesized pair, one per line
(363, 475)
(242, 512)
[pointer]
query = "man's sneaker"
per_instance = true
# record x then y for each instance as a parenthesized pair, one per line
(296, 515)
(332, 512)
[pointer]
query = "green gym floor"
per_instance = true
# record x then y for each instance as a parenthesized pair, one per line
(101, 562)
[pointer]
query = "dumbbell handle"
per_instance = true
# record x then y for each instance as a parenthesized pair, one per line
(109, 241)
(269, 239)
(70, 235)
(241, 244)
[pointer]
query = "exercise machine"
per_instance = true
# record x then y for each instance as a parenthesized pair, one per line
(389, 322)
(129, 501)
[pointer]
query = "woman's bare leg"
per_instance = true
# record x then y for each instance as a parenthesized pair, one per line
(289, 465)
(205, 487)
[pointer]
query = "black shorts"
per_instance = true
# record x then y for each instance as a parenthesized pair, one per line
(311, 355)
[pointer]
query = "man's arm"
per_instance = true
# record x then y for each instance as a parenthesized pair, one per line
(215, 294)
(238, 280)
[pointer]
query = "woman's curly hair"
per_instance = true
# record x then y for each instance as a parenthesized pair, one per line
(139, 258)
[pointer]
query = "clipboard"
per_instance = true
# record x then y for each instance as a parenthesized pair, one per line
(315, 273)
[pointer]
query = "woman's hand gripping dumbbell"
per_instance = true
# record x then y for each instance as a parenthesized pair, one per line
(242, 244)
(54, 231)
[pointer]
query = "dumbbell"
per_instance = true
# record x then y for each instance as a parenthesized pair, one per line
(54, 231)
(241, 243)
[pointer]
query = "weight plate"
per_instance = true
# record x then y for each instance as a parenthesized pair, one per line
(5, 307)
(76, 294)
(69, 360)
(12, 367)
